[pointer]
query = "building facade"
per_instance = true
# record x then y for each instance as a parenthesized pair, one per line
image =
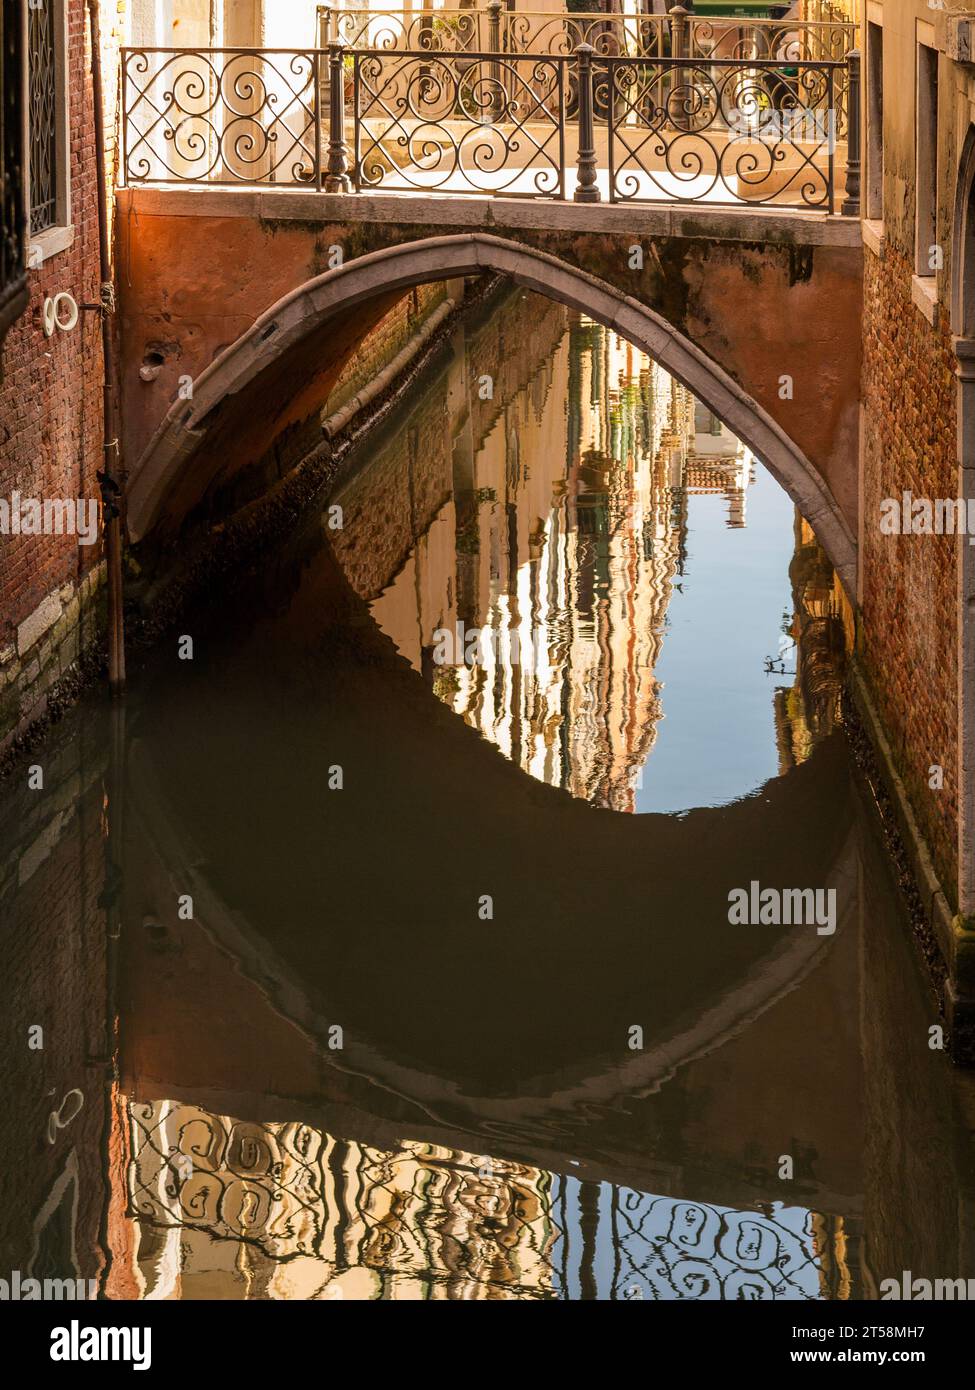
(51, 369)
(917, 576)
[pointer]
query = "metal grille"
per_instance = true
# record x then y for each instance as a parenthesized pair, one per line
(11, 171)
(42, 98)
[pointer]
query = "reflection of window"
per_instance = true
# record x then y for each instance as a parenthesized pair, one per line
(47, 111)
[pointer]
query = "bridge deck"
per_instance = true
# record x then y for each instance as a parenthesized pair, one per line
(491, 213)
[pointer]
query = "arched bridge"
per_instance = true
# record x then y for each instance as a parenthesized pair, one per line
(240, 309)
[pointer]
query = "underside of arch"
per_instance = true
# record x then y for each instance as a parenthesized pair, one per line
(280, 371)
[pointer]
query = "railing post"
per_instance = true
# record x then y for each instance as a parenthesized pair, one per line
(494, 8)
(336, 176)
(497, 101)
(678, 31)
(851, 203)
(316, 67)
(328, 37)
(587, 189)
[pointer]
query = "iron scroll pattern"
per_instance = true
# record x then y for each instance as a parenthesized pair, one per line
(223, 116)
(783, 41)
(722, 133)
(690, 1250)
(449, 123)
(452, 30)
(432, 31)
(247, 1182)
(456, 1225)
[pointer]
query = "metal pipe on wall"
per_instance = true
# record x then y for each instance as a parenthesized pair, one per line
(110, 477)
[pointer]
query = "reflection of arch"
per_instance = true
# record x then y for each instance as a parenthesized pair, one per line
(313, 316)
(963, 325)
(438, 1106)
(310, 978)
(440, 1103)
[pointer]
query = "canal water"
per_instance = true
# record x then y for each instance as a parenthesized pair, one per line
(379, 945)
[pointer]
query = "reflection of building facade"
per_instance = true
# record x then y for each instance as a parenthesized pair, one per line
(719, 463)
(229, 1209)
(822, 632)
(566, 569)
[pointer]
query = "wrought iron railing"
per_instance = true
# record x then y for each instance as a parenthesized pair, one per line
(755, 133)
(486, 123)
(13, 274)
(221, 115)
(585, 124)
(494, 28)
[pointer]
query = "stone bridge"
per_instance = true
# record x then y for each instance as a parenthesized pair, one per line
(240, 308)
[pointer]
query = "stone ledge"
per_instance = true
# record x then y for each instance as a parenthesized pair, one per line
(924, 295)
(695, 221)
(48, 648)
(874, 237)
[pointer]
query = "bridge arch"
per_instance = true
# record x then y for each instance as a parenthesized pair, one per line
(270, 363)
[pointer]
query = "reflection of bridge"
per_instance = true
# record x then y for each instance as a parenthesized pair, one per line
(426, 1051)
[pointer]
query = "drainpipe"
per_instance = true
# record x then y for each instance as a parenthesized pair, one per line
(109, 479)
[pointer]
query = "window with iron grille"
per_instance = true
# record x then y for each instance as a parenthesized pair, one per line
(42, 115)
(13, 280)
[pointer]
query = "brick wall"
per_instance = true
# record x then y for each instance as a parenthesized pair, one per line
(909, 611)
(51, 416)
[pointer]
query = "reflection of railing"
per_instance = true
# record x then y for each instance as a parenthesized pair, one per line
(422, 1218)
(722, 130)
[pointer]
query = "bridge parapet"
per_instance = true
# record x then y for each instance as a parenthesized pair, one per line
(589, 124)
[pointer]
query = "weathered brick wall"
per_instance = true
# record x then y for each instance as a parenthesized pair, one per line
(909, 613)
(51, 414)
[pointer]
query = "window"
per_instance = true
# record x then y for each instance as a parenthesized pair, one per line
(47, 129)
(13, 282)
(926, 160)
(875, 123)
